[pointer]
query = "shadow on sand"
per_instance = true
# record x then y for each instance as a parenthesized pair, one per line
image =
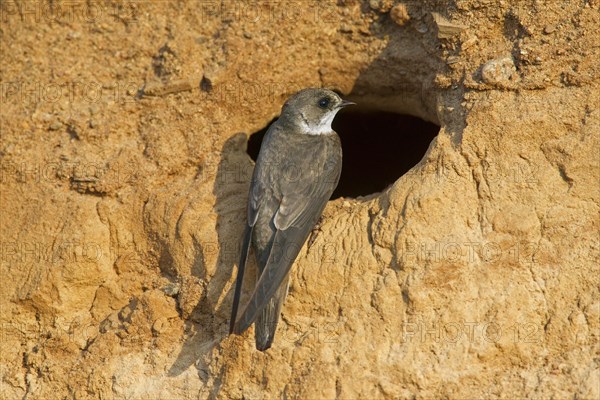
(208, 323)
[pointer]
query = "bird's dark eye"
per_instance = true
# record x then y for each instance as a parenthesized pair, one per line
(324, 102)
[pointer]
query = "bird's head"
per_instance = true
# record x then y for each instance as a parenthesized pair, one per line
(313, 110)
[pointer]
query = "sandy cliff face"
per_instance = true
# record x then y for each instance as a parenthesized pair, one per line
(124, 180)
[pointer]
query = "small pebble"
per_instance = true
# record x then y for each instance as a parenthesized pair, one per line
(422, 28)
(56, 125)
(73, 35)
(345, 28)
(171, 289)
(160, 325)
(374, 4)
(498, 71)
(549, 29)
(399, 14)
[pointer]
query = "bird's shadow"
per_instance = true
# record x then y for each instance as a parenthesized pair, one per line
(208, 322)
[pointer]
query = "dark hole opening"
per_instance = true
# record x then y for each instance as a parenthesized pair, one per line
(379, 147)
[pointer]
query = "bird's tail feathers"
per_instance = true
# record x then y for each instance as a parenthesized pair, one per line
(240, 277)
(266, 322)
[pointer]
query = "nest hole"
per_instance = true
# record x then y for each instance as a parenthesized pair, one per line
(378, 146)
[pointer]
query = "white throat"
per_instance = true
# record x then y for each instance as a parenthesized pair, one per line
(323, 127)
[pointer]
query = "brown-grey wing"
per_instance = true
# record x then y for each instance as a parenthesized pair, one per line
(256, 195)
(300, 208)
(316, 185)
(261, 178)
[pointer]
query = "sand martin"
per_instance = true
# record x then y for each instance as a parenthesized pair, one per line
(297, 169)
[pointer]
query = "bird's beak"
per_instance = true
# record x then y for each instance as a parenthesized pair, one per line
(345, 103)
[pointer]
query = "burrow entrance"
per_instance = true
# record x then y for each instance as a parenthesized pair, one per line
(378, 148)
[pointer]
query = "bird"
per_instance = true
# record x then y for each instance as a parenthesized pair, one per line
(297, 169)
